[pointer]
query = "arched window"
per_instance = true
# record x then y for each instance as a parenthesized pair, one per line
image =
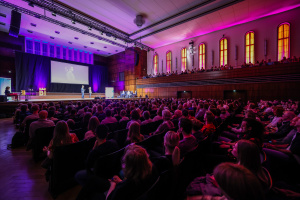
(283, 41)
(202, 56)
(249, 47)
(183, 59)
(169, 61)
(155, 63)
(223, 52)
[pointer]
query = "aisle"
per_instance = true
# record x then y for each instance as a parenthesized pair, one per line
(20, 176)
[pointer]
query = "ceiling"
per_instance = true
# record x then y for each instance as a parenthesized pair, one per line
(205, 17)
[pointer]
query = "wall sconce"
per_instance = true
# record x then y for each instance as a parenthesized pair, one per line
(192, 49)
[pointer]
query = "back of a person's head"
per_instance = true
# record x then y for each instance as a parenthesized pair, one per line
(135, 115)
(209, 116)
(178, 113)
(237, 182)
(134, 130)
(61, 134)
(186, 124)
(100, 108)
(108, 112)
(71, 124)
(102, 131)
(191, 113)
(24, 108)
(73, 112)
(146, 115)
(250, 114)
(206, 106)
(159, 112)
(93, 123)
(123, 113)
(171, 140)
(248, 155)
(136, 163)
(257, 128)
(51, 113)
(43, 114)
(35, 108)
(197, 125)
(278, 111)
(185, 112)
(166, 114)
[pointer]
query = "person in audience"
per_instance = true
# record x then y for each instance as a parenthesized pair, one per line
(177, 114)
(108, 119)
(40, 123)
(196, 130)
(123, 116)
(24, 112)
(172, 153)
(71, 124)
(61, 136)
(34, 115)
(100, 114)
(202, 111)
(287, 139)
(248, 154)
(189, 142)
(237, 182)
(278, 112)
(209, 127)
(68, 112)
(85, 121)
(159, 115)
(135, 117)
(167, 124)
(93, 124)
(139, 175)
(51, 114)
(134, 135)
(284, 129)
(147, 119)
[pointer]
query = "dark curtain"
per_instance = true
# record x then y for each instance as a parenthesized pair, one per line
(33, 71)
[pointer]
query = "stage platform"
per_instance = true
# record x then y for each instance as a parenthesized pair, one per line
(8, 108)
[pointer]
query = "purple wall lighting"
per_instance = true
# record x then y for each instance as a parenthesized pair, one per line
(44, 48)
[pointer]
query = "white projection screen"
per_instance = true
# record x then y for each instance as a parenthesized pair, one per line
(62, 72)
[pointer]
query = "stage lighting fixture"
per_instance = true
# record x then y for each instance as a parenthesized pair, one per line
(57, 32)
(85, 46)
(98, 50)
(54, 14)
(116, 50)
(73, 22)
(52, 37)
(29, 31)
(70, 42)
(99, 38)
(2, 15)
(101, 32)
(92, 42)
(2, 23)
(108, 34)
(105, 47)
(32, 24)
(76, 38)
(90, 28)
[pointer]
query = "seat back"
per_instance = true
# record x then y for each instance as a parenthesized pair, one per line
(123, 124)
(26, 132)
(112, 127)
(41, 138)
(79, 133)
(120, 137)
(109, 165)
(67, 160)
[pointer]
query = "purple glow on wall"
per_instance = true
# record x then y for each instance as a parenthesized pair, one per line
(95, 82)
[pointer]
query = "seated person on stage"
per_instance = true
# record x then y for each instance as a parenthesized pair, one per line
(40, 123)
(7, 93)
(93, 124)
(189, 142)
(108, 119)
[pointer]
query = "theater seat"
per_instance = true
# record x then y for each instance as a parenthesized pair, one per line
(42, 137)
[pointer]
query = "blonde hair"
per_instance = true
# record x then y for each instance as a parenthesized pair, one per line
(136, 163)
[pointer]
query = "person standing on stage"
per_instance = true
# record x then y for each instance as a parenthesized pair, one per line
(82, 91)
(90, 92)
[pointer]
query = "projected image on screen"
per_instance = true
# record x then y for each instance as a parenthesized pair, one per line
(69, 73)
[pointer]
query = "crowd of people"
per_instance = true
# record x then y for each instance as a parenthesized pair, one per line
(268, 62)
(253, 151)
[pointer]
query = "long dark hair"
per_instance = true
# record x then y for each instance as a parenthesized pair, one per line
(61, 135)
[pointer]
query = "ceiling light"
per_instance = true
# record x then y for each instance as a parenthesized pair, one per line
(108, 53)
(101, 32)
(51, 37)
(29, 31)
(2, 23)
(98, 50)
(92, 42)
(139, 20)
(73, 22)
(105, 47)
(70, 42)
(37, 16)
(99, 38)
(85, 46)
(57, 32)
(116, 50)
(76, 38)
(54, 14)
(32, 24)
(90, 28)
(108, 34)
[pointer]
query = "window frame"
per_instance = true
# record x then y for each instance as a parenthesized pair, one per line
(155, 70)
(246, 61)
(183, 48)
(223, 54)
(169, 61)
(289, 41)
(202, 55)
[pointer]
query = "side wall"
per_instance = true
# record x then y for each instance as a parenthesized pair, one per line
(264, 29)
